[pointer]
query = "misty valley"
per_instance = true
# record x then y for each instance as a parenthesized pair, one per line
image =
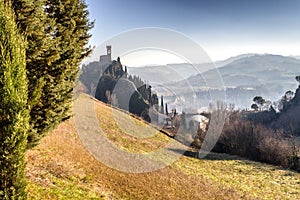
(249, 96)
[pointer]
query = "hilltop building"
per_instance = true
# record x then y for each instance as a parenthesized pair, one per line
(106, 59)
(93, 71)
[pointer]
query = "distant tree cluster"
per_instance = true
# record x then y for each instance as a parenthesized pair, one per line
(266, 135)
(298, 79)
(138, 82)
(89, 76)
(115, 69)
(262, 136)
(278, 115)
(130, 88)
(91, 73)
(257, 142)
(259, 102)
(284, 101)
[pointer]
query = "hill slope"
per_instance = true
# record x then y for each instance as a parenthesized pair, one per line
(257, 69)
(269, 76)
(62, 168)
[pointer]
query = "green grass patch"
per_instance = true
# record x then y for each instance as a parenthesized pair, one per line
(61, 189)
(248, 178)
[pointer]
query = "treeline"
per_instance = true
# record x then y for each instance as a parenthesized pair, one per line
(266, 134)
(278, 115)
(89, 76)
(125, 91)
(42, 43)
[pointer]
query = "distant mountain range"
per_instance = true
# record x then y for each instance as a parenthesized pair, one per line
(297, 57)
(231, 67)
(244, 76)
(162, 74)
(256, 70)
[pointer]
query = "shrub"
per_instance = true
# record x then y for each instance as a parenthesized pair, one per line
(256, 142)
(276, 151)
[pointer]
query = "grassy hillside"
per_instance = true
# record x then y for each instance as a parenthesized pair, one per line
(62, 168)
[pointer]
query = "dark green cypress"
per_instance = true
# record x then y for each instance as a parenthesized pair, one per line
(57, 35)
(14, 114)
(167, 112)
(40, 54)
(71, 34)
(162, 105)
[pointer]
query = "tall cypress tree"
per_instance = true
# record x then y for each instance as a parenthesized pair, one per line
(167, 111)
(162, 105)
(57, 35)
(14, 115)
(40, 54)
(71, 34)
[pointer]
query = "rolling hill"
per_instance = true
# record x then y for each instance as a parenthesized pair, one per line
(61, 167)
(243, 77)
(257, 69)
(162, 74)
(269, 76)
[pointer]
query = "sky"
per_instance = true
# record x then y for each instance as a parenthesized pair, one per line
(223, 28)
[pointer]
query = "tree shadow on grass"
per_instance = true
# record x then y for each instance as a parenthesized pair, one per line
(194, 153)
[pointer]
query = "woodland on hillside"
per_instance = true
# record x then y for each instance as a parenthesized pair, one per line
(124, 91)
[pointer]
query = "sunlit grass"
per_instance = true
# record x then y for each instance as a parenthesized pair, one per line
(61, 189)
(61, 168)
(129, 133)
(248, 178)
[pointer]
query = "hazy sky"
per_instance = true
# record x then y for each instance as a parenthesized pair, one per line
(223, 28)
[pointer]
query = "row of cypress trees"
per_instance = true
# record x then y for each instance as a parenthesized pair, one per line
(42, 43)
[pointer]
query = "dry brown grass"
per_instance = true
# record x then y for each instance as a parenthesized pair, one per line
(62, 163)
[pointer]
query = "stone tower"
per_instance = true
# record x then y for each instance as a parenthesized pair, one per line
(108, 49)
(106, 59)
